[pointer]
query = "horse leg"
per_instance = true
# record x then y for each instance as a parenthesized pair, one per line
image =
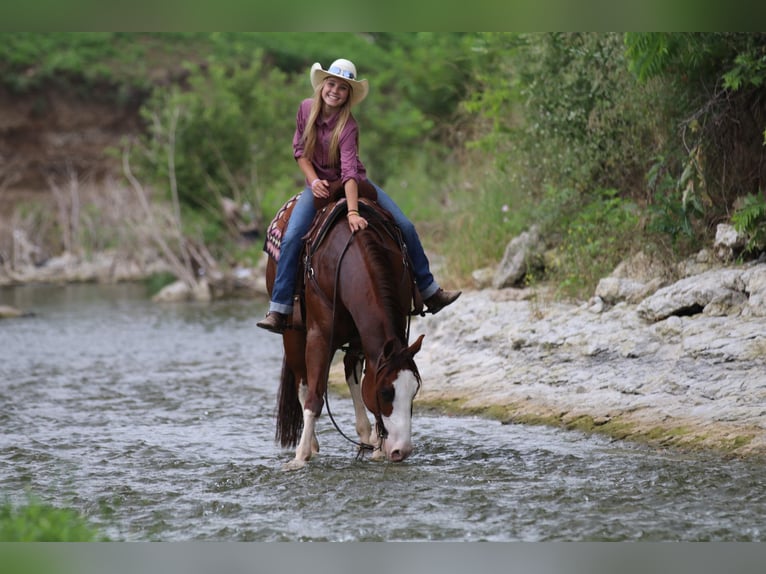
(352, 363)
(308, 445)
(311, 397)
(303, 451)
(302, 392)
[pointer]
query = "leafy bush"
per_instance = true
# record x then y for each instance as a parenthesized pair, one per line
(673, 122)
(566, 112)
(230, 131)
(718, 81)
(750, 219)
(597, 238)
(39, 522)
(79, 61)
(676, 211)
(563, 116)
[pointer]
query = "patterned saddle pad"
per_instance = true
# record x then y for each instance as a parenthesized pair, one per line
(276, 228)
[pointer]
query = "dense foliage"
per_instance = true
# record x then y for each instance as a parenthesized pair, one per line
(719, 80)
(673, 122)
(610, 142)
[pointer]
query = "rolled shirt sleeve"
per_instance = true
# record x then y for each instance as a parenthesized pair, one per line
(350, 165)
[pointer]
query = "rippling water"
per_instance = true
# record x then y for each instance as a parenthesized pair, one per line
(157, 423)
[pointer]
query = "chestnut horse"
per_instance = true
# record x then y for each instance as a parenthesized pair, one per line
(358, 294)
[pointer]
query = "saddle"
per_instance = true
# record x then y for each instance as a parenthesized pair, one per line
(337, 192)
(329, 211)
(273, 242)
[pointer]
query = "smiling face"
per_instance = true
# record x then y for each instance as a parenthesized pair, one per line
(335, 93)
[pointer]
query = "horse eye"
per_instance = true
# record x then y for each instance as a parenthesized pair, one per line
(387, 394)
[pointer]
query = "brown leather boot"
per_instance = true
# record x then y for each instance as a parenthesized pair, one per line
(440, 300)
(274, 322)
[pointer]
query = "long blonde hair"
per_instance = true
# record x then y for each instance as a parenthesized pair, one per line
(310, 134)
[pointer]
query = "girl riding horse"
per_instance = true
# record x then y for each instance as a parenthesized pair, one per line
(325, 146)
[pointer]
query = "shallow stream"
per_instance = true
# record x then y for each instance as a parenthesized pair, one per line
(156, 422)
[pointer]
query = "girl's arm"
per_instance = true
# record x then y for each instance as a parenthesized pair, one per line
(319, 187)
(349, 152)
(355, 221)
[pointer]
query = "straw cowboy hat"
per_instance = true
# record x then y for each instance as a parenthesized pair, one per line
(345, 70)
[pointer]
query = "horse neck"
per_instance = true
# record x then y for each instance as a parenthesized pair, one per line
(384, 320)
(375, 329)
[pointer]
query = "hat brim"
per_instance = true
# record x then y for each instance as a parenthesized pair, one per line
(359, 88)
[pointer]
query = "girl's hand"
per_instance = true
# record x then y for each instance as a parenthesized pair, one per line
(320, 189)
(355, 221)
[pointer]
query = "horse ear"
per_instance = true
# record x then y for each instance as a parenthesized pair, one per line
(415, 347)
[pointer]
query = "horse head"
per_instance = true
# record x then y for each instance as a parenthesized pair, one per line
(388, 391)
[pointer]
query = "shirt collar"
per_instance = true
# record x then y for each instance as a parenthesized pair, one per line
(329, 122)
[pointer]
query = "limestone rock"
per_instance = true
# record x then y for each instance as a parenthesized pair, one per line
(615, 289)
(518, 254)
(754, 280)
(728, 242)
(721, 289)
(482, 278)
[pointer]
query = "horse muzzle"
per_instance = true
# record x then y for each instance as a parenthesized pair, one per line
(397, 452)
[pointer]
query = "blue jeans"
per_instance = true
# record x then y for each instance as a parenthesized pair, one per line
(300, 221)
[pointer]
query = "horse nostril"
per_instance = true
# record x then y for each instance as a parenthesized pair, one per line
(398, 455)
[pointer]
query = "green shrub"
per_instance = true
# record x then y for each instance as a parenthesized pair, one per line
(39, 522)
(564, 111)
(228, 133)
(676, 211)
(750, 219)
(717, 79)
(597, 237)
(157, 281)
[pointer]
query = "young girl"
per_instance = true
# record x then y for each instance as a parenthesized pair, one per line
(325, 145)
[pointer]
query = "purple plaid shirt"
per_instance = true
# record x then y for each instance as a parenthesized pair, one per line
(350, 166)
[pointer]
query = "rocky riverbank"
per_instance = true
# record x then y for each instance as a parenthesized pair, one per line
(685, 366)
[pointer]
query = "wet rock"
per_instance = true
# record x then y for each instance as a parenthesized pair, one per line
(180, 291)
(8, 312)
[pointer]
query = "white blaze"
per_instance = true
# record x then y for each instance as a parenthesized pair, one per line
(399, 424)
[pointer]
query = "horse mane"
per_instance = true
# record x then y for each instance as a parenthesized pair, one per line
(379, 266)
